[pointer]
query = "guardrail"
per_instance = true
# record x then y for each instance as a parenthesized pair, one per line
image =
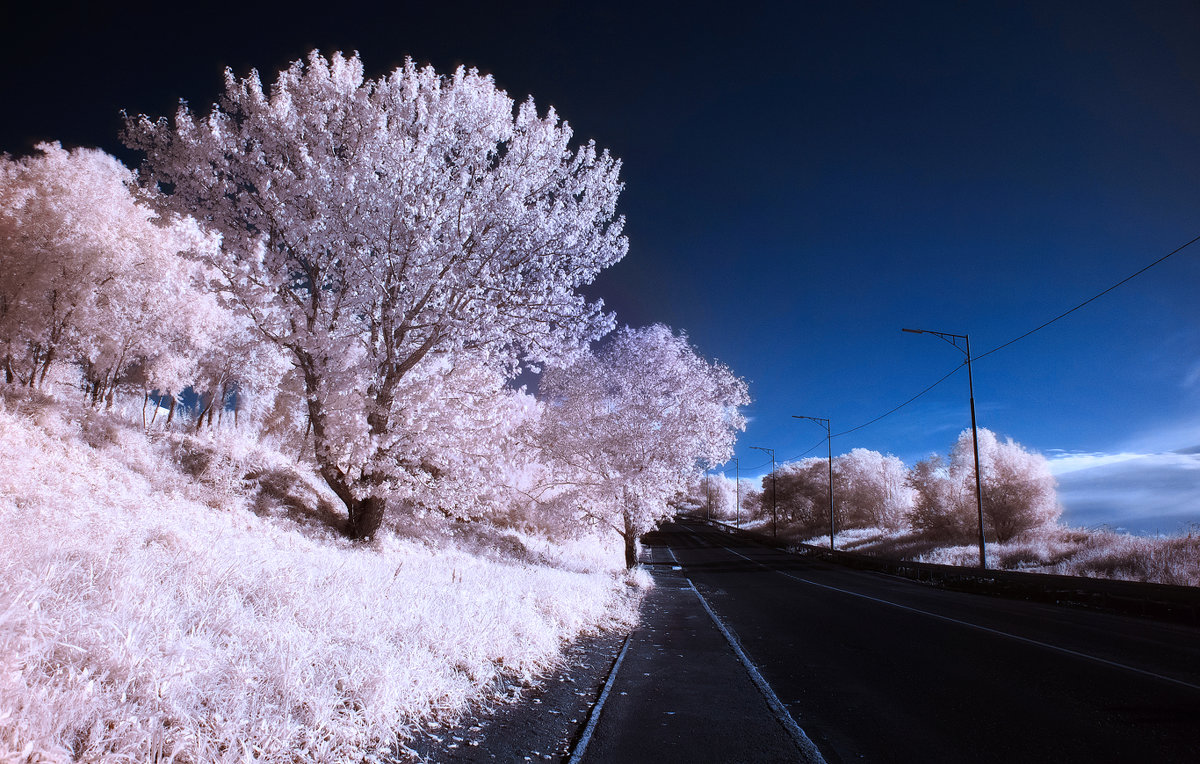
(1159, 601)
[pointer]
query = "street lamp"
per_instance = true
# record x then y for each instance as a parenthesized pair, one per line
(708, 490)
(828, 442)
(966, 349)
(774, 514)
(737, 492)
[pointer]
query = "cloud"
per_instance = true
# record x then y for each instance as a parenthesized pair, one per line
(1142, 493)
(1063, 462)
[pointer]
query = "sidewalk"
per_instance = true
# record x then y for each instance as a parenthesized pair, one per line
(681, 694)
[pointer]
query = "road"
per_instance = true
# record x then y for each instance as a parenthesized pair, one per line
(875, 668)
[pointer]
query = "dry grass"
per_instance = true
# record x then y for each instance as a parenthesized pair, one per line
(1058, 550)
(146, 614)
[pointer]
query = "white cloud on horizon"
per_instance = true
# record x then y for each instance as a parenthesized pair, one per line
(1143, 493)
(1063, 462)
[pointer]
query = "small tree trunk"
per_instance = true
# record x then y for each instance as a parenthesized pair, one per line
(203, 409)
(45, 368)
(170, 412)
(631, 539)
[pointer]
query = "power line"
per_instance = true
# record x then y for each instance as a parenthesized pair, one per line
(805, 453)
(902, 405)
(1038, 328)
(1131, 277)
(764, 464)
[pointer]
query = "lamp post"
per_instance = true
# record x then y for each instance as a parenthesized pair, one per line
(774, 514)
(965, 348)
(737, 492)
(828, 442)
(708, 490)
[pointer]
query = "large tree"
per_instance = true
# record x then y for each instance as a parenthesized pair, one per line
(376, 226)
(1019, 492)
(871, 490)
(628, 426)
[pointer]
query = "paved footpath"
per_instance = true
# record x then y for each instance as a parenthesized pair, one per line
(681, 693)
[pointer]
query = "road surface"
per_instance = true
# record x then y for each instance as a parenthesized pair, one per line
(879, 669)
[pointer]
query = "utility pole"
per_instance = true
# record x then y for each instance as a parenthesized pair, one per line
(708, 490)
(774, 512)
(829, 444)
(966, 348)
(737, 491)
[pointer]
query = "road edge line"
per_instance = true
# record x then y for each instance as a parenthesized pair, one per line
(807, 747)
(594, 716)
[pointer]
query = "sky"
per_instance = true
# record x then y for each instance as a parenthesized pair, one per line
(804, 180)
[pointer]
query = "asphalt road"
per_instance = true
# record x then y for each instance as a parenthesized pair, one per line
(880, 669)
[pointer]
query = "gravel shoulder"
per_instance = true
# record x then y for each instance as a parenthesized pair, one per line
(536, 723)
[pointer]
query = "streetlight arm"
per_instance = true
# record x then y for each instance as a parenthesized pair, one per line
(823, 422)
(947, 337)
(965, 349)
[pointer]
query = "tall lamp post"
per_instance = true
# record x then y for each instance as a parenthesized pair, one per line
(828, 442)
(774, 514)
(708, 490)
(737, 492)
(965, 348)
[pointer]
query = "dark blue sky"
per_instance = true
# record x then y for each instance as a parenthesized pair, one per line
(802, 183)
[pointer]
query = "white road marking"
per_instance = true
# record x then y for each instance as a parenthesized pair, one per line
(806, 745)
(594, 718)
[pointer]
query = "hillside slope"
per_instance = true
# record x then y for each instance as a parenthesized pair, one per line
(156, 603)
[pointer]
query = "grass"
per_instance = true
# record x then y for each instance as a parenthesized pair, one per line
(149, 614)
(1056, 549)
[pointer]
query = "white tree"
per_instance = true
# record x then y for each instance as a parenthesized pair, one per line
(1019, 492)
(375, 226)
(711, 494)
(871, 490)
(801, 494)
(723, 490)
(1017, 488)
(89, 273)
(627, 427)
(751, 495)
(941, 510)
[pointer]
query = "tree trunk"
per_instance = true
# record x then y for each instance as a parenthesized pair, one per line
(631, 539)
(202, 409)
(365, 517)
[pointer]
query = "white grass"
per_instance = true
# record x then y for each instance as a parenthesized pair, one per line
(145, 615)
(1055, 549)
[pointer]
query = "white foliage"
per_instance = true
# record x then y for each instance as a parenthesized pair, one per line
(715, 495)
(629, 425)
(799, 492)
(372, 226)
(1018, 490)
(90, 274)
(871, 490)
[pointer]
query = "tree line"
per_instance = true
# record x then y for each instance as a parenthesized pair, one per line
(934, 498)
(364, 266)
